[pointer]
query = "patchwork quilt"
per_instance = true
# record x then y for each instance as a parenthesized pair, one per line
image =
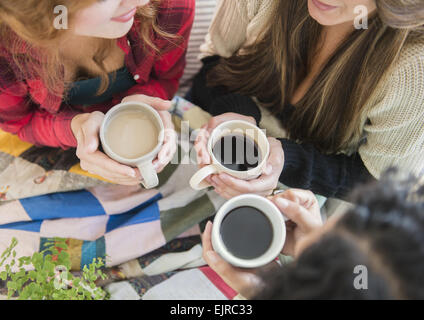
(44, 193)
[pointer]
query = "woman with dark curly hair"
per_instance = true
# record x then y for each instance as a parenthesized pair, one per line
(373, 251)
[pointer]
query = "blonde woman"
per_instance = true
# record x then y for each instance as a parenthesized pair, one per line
(348, 98)
(56, 84)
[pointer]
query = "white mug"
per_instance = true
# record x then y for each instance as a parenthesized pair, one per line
(197, 182)
(144, 163)
(270, 211)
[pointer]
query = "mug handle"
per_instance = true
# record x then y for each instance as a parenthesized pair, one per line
(197, 180)
(149, 174)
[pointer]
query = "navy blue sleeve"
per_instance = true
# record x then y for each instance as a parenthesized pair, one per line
(217, 100)
(328, 175)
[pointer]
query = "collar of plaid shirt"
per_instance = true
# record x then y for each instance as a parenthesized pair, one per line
(141, 72)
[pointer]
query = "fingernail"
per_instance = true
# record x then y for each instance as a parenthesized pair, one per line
(131, 174)
(211, 256)
(283, 203)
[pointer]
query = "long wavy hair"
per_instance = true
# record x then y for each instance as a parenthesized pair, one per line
(28, 34)
(330, 113)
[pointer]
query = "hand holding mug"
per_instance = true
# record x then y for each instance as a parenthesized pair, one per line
(247, 235)
(169, 146)
(302, 209)
(229, 186)
(85, 128)
(247, 282)
(236, 147)
(200, 145)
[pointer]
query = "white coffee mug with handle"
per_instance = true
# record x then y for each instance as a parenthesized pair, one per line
(198, 182)
(143, 163)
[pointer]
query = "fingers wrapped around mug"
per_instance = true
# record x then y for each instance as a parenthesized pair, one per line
(301, 207)
(155, 102)
(244, 281)
(169, 146)
(135, 134)
(239, 149)
(200, 146)
(86, 131)
(228, 186)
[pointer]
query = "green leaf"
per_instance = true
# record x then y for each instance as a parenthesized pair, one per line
(48, 266)
(24, 260)
(32, 274)
(21, 273)
(62, 245)
(39, 278)
(11, 285)
(63, 259)
(3, 275)
(37, 260)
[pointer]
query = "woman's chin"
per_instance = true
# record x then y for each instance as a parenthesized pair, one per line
(323, 18)
(114, 30)
(119, 29)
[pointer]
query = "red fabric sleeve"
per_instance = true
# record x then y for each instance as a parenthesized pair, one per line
(18, 115)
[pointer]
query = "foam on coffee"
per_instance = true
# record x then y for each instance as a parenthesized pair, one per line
(132, 134)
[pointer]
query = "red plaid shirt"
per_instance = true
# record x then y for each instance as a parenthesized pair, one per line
(30, 111)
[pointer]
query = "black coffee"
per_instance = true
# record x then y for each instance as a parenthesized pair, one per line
(246, 232)
(237, 152)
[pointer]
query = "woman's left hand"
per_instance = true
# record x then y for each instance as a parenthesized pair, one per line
(302, 209)
(169, 146)
(229, 187)
(245, 281)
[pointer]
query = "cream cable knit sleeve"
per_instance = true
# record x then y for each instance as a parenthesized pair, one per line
(236, 23)
(395, 133)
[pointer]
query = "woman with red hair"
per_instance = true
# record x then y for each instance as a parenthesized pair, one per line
(56, 84)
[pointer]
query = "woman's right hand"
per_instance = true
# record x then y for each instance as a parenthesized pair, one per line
(201, 143)
(86, 129)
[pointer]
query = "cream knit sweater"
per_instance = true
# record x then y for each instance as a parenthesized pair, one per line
(394, 122)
